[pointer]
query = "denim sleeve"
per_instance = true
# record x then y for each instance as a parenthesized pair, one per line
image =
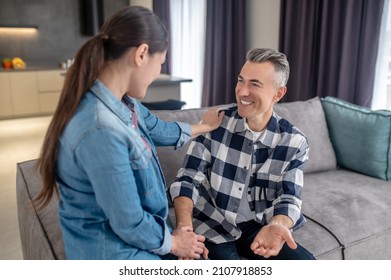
(165, 133)
(104, 156)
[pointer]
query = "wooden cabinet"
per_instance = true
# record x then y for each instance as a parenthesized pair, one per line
(50, 84)
(24, 93)
(36, 92)
(5, 95)
(29, 93)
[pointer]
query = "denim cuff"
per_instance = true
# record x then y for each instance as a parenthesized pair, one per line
(167, 242)
(185, 134)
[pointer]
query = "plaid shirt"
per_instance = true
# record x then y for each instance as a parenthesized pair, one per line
(217, 171)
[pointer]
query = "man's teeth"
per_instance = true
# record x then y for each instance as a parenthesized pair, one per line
(246, 102)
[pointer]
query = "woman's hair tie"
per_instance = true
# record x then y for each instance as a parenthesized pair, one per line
(104, 37)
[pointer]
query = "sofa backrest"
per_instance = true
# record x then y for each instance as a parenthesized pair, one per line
(310, 118)
(40, 232)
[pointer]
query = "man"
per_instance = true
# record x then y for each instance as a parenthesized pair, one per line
(241, 184)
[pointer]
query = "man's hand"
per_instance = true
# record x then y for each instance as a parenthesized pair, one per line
(187, 245)
(183, 213)
(270, 239)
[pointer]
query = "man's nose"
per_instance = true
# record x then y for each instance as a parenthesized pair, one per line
(243, 91)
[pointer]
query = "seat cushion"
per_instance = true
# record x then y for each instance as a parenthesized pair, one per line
(354, 207)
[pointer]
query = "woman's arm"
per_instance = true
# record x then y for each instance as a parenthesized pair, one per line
(169, 133)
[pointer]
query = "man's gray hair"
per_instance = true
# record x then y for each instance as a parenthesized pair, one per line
(279, 61)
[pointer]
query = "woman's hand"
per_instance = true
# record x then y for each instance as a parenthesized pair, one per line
(209, 122)
(188, 245)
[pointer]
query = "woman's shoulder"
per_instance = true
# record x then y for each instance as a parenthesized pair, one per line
(91, 117)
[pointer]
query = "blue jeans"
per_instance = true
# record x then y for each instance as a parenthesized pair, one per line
(241, 247)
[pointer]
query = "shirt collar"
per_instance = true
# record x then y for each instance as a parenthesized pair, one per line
(268, 136)
(110, 101)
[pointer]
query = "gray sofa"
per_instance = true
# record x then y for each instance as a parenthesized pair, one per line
(346, 195)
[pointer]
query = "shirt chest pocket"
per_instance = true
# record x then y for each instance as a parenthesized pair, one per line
(140, 156)
(142, 167)
(267, 187)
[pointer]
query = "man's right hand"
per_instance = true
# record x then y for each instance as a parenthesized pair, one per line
(188, 245)
(184, 221)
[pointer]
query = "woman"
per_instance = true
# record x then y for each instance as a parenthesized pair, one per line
(100, 148)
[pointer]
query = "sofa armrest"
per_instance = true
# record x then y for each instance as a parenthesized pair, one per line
(40, 231)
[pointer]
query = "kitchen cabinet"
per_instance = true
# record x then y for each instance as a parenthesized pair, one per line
(5, 95)
(50, 84)
(29, 92)
(24, 92)
(34, 92)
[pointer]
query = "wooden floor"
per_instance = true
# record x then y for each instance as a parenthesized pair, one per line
(20, 140)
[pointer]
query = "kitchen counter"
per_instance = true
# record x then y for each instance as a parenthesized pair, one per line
(31, 68)
(165, 87)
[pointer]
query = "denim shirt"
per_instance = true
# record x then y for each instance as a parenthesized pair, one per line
(113, 203)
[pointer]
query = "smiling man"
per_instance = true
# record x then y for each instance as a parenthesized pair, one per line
(241, 184)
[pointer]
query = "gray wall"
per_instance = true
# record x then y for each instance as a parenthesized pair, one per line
(59, 35)
(59, 31)
(263, 23)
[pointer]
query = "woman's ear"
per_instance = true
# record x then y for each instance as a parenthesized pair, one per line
(141, 54)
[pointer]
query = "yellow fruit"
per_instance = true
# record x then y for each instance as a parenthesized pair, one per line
(18, 63)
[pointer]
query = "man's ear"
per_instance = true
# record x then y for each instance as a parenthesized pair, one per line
(280, 94)
(141, 54)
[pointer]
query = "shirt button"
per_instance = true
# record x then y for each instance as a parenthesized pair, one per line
(240, 189)
(245, 167)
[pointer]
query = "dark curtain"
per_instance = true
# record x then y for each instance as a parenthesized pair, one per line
(162, 9)
(225, 50)
(331, 46)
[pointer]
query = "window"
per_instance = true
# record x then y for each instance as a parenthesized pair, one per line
(382, 88)
(188, 43)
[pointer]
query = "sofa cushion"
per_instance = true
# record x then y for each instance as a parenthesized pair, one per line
(324, 247)
(361, 137)
(309, 117)
(354, 207)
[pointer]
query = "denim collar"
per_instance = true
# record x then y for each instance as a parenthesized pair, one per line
(109, 100)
